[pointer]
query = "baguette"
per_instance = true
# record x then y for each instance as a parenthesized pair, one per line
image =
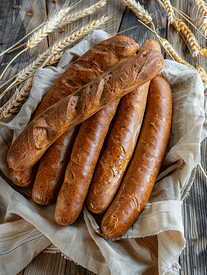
(46, 128)
(51, 169)
(146, 162)
(98, 59)
(79, 172)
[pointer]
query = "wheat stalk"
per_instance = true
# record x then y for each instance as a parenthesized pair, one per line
(202, 73)
(202, 170)
(140, 12)
(56, 21)
(59, 21)
(169, 11)
(51, 56)
(83, 12)
(38, 36)
(52, 24)
(56, 48)
(176, 57)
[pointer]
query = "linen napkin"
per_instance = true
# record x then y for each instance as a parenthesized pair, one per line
(153, 244)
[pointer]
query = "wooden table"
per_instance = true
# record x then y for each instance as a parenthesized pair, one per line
(19, 17)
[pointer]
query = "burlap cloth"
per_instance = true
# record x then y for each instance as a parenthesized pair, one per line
(153, 244)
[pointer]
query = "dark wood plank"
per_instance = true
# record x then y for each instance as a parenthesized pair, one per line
(194, 257)
(53, 264)
(15, 24)
(140, 33)
(115, 8)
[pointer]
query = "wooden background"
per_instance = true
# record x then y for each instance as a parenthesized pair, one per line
(19, 17)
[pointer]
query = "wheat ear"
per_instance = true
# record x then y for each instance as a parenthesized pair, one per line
(55, 49)
(182, 28)
(60, 21)
(202, 12)
(140, 12)
(188, 19)
(202, 73)
(52, 24)
(47, 28)
(18, 42)
(18, 98)
(166, 5)
(176, 57)
(77, 35)
(51, 55)
(83, 12)
(179, 59)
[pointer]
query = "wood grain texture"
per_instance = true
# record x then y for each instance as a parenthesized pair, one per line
(53, 264)
(15, 24)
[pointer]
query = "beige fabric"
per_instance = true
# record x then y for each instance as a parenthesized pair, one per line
(153, 244)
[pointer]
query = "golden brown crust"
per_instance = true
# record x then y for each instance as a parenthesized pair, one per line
(51, 170)
(24, 178)
(145, 165)
(79, 172)
(118, 152)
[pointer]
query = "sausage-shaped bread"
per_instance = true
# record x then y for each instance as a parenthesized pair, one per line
(140, 177)
(79, 172)
(72, 110)
(119, 149)
(51, 170)
(24, 178)
(120, 145)
(98, 59)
